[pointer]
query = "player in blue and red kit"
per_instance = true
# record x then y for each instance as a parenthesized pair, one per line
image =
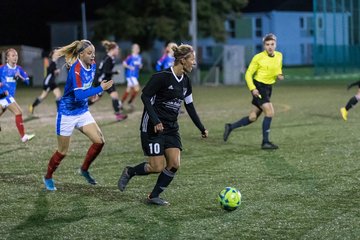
(9, 74)
(132, 64)
(166, 60)
(73, 109)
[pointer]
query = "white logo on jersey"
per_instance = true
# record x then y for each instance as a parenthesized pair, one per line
(87, 85)
(171, 87)
(10, 79)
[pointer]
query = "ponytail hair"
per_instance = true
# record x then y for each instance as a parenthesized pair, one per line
(109, 45)
(72, 51)
(182, 52)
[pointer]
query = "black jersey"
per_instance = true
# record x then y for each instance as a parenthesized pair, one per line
(50, 74)
(167, 92)
(105, 70)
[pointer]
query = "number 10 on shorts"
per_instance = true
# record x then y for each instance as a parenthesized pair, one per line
(154, 148)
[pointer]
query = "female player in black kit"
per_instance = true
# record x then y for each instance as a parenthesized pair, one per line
(105, 72)
(49, 83)
(162, 97)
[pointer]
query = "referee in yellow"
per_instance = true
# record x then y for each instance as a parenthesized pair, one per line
(265, 68)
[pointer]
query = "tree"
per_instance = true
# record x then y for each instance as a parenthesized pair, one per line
(144, 21)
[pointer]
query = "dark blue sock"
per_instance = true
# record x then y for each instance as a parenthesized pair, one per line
(266, 128)
(242, 122)
(164, 179)
(139, 169)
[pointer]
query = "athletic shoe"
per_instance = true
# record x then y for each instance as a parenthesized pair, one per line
(31, 109)
(49, 184)
(27, 137)
(268, 146)
(119, 116)
(124, 179)
(87, 176)
(344, 113)
(227, 131)
(157, 201)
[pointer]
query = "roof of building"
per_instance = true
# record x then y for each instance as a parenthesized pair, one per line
(278, 5)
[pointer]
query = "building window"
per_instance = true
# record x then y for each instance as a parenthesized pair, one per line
(259, 48)
(307, 26)
(258, 27)
(208, 52)
(320, 23)
(230, 28)
(302, 25)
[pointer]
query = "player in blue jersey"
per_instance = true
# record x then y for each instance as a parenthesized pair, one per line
(9, 74)
(166, 60)
(49, 84)
(132, 64)
(105, 71)
(73, 108)
(163, 96)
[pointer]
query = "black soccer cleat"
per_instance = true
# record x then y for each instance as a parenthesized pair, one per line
(157, 201)
(124, 179)
(227, 131)
(268, 146)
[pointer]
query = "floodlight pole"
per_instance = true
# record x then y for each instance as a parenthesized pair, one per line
(194, 37)
(83, 16)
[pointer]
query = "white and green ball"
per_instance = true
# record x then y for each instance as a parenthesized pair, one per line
(229, 198)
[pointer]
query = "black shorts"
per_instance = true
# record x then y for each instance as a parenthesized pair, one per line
(155, 144)
(265, 91)
(50, 86)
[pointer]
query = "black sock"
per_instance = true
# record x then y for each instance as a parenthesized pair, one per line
(36, 102)
(139, 169)
(352, 102)
(116, 105)
(242, 122)
(164, 179)
(266, 128)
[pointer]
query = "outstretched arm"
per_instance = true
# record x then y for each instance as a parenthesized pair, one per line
(196, 120)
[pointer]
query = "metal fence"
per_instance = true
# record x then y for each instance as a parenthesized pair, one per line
(336, 36)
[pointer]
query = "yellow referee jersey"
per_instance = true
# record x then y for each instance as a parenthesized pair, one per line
(263, 69)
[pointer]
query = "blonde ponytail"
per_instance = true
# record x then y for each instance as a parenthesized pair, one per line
(72, 51)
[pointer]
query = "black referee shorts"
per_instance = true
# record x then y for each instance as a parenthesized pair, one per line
(155, 144)
(265, 91)
(50, 86)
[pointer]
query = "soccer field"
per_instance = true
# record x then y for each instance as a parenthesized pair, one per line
(308, 189)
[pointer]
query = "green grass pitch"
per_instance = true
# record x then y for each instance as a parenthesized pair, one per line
(308, 189)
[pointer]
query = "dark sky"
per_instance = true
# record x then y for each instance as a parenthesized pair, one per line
(25, 22)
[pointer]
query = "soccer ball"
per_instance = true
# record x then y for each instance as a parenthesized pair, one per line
(229, 198)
